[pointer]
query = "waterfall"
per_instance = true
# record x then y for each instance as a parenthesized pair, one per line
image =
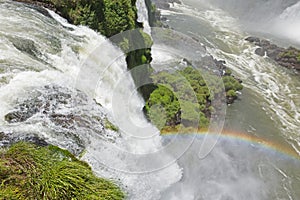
(288, 23)
(279, 18)
(55, 75)
(143, 15)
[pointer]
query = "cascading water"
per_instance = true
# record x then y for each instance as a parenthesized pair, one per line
(143, 15)
(288, 23)
(50, 73)
(276, 18)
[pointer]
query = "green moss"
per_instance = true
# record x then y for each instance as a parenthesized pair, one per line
(109, 125)
(287, 54)
(31, 172)
(291, 53)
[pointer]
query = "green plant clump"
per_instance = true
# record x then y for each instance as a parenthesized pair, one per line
(31, 172)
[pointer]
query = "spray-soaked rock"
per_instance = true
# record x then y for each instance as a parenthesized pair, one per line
(9, 138)
(68, 118)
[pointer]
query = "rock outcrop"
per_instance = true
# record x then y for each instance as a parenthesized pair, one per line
(286, 57)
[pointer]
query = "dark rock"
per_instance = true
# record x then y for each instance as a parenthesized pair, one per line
(260, 51)
(253, 39)
(25, 45)
(2, 136)
(289, 58)
(9, 138)
(40, 6)
(36, 140)
(230, 100)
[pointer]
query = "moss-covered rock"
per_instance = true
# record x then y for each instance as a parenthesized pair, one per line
(32, 172)
(184, 97)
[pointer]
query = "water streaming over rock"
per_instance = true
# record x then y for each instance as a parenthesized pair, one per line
(58, 85)
(143, 15)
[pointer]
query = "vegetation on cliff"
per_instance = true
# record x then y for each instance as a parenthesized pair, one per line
(106, 16)
(28, 171)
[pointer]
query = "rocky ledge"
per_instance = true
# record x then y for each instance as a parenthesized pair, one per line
(286, 57)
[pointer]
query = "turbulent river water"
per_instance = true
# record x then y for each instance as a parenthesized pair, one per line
(66, 81)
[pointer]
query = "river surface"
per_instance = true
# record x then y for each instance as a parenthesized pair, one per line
(75, 79)
(268, 107)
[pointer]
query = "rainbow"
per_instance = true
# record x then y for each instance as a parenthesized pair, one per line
(281, 148)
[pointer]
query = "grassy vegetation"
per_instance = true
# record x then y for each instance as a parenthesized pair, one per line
(31, 172)
(184, 97)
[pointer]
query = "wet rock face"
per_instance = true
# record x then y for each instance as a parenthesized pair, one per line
(39, 6)
(7, 139)
(25, 45)
(45, 103)
(68, 119)
(289, 58)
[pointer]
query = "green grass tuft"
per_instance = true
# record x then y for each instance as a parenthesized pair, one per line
(31, 172)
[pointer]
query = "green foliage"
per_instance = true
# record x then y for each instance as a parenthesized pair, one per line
(118, 16)
(231, 93)
(31, 172)
(185, 97)
(230, 83)
(109, 17)
(160, 98)
(83, 15)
